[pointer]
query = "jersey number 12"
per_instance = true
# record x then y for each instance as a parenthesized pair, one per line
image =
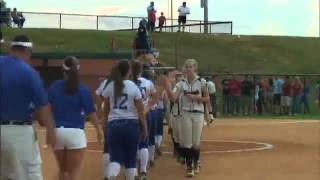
(122, 103)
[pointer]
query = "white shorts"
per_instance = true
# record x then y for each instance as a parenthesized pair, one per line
(191, 129)
(20, 154)
(286, 101)
(176, 128)
(70, 138)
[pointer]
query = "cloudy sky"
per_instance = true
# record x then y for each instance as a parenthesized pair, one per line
(266, 17)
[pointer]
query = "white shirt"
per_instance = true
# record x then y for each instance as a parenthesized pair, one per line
(101, 87)
(160, 104)
(145, 87)
(195, 87)
(124, 108)
(183, 11)
(211, 87)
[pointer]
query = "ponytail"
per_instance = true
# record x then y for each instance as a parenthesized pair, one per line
(118, 74)
(71, 68)
(136, 71)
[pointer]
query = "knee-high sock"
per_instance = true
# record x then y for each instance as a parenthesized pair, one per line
(130, 173)
(158, 140)
(105, 164)
(144, 157)
(151, 152)
(113, 170)
(196, 155)
(189, 156)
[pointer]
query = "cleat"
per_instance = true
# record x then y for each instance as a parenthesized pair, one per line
(190, 172)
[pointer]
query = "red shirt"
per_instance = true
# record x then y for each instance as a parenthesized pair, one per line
(162, 20)
(152, 16)
(235, 87)
(286, 90)
(297, 89)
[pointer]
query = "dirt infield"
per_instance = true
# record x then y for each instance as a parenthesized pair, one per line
(232, 150)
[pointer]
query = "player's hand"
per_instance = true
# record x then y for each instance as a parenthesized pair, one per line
(99, 137)
(51, 138)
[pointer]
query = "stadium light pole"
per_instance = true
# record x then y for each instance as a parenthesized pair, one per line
(204, 5)
(171, 15)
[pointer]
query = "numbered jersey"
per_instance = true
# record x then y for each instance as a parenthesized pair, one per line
(146, 87)
(101, 87)
(123, 107)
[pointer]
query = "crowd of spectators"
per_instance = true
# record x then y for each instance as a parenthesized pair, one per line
(278, 96)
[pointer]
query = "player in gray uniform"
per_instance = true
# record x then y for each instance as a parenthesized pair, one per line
(194, 94)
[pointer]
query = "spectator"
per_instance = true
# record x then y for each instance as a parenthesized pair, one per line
(269, 97)
(183, 11)
(212, 93)
(246, 99)
(1, 38)
(277, 93)
(226, 96)
(318, 93)
(305, 97)
(296, 95)
(142, 43)
(235, 90)
(151, 16)
(286, 96)
(17, 18)
(260, 89)
(162, 21)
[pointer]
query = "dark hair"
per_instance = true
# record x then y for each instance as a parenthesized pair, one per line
(136, 70)
(119, 72)
(146, 72)
(70, 67)
(19, 38)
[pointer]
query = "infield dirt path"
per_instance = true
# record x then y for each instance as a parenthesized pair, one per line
(291, 152)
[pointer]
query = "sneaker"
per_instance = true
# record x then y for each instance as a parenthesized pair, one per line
(190, 172)
(196, 168)
(143, 176)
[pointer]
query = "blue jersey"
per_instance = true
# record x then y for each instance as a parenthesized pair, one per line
(67, 109)
(21, 90)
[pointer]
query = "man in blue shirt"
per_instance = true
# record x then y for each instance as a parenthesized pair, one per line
(21, 93)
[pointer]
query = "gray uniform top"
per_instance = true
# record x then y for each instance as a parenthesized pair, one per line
(195, 87)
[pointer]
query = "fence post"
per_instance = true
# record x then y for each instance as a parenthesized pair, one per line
(97, 22)
(210, 29)
(132, 23)
(60, 21)
(200, 28)
(231, 28)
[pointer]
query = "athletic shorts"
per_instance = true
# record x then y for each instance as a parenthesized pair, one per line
(182, 19)
(286, 101)
(70, 138)
(277, 99)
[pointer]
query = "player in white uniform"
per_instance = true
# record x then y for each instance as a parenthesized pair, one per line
(125, 111)
(146, 148)
(194, 94)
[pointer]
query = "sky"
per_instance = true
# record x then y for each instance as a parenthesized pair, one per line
(252, 17)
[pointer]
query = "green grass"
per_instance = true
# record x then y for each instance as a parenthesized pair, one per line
(247, 54)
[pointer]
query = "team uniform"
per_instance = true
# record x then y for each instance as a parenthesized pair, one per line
(68, 115)
(160, 113)
(21, 92)
(123, 129)
(192, 119)
(147, 148)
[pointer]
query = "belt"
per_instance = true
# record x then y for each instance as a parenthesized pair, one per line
(195, 111)
(19, 123)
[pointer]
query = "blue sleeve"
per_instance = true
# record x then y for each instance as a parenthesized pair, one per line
(37, 92)
(87, 101)
(50, 95)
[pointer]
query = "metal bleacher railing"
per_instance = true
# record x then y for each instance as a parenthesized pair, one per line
(111, 23)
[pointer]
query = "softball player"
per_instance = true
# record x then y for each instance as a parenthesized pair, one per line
(146, 87)
(68, 99)
(125, 112)
(21, 92)
(194, 94)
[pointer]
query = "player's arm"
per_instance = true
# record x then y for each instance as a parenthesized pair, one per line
(142, 118)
